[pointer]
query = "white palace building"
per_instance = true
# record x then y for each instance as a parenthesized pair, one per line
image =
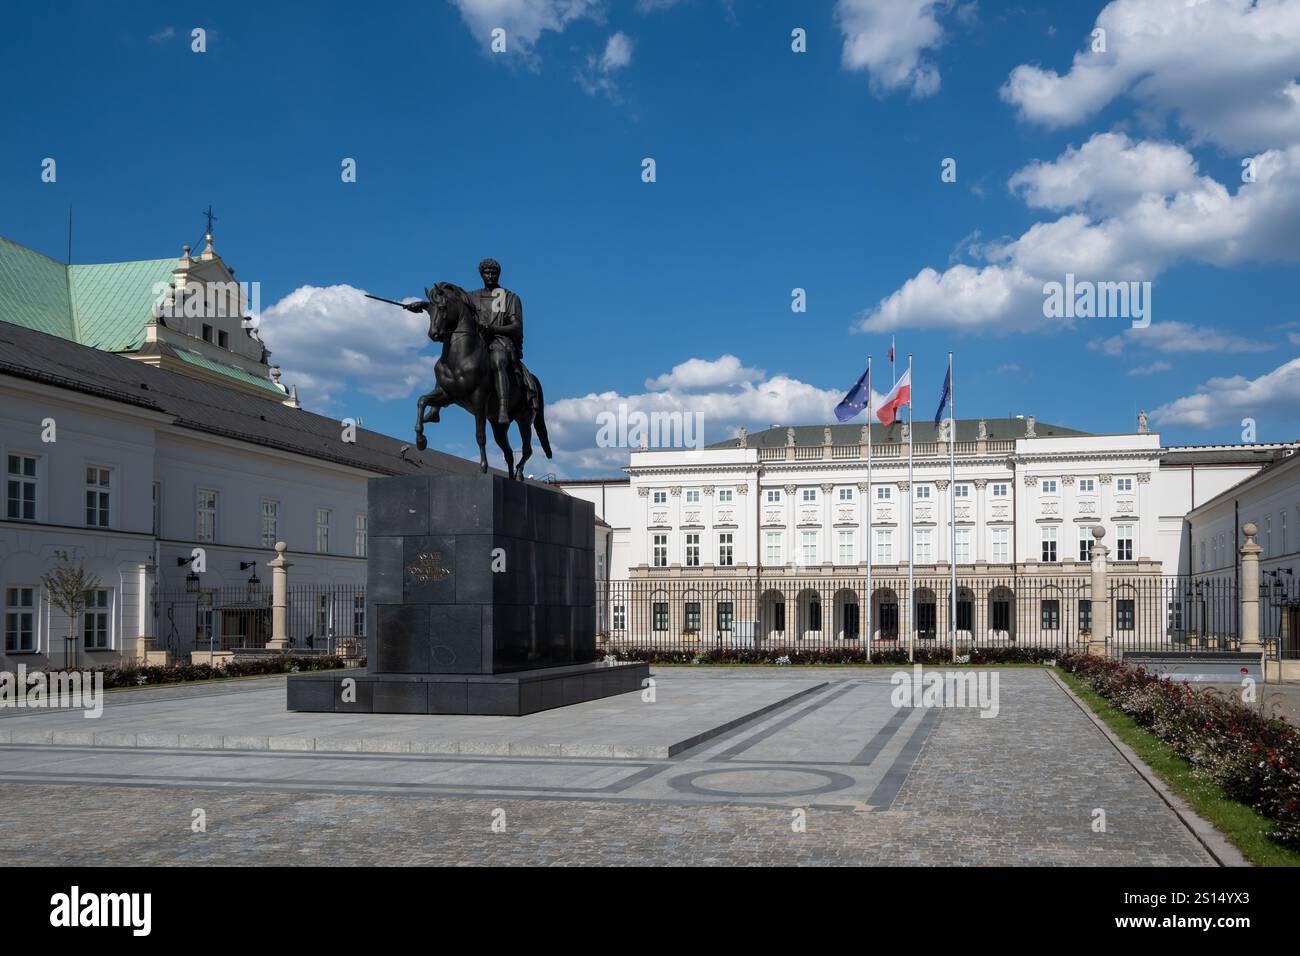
(773, 531)
(140, 420)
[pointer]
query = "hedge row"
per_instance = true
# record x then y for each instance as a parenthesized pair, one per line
(133, 675)
(893, 655)
(1254, 759)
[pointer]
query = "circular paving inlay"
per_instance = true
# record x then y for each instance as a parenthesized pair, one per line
(761, 782)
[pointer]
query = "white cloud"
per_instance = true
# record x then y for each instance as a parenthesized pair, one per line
(1226, 401)
(1226, 68)
(1151, 368)
(725, 392)
(163, 35)
(1108, 173)
(888, 39)
(1117, 233)
(333, 339)
(598, 75)
(523, 20)
(702, 374)
(1173, 338)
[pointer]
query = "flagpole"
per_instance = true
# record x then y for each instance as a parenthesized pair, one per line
(893, 367)
(870, 412)
(911, 494)
(952, 506)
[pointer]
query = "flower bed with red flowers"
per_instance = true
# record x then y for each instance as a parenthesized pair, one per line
(1254, 759)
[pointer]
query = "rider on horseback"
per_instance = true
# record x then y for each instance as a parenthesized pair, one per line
(500, 315)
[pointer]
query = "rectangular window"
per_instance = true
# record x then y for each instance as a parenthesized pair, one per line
(659, 550)
(207, 332)
(1123, 484)
(814, 615)
(660, 611)
(20, 485)
(773, 496)
(270, 522)
(692, 622)
(1000, 612)
(999, 489)
(726, 554)
(98, 497)
(778, 617)
(963, 546)
(659, 497)
(1268, 535)
(1049, 544)
(1085, 615)
(692, 550)
(922, 546)
(884, 493)
(726, 495)
(846, 555)
(961, 491)
(205, 519)
(810, 494)
(1124, 542)
(1085, 543)
(95, 630)
(358, 615)
(1125, 614)
(1001, 551)
(884, 547)
(20, 619)
(922, 492)
(772, 548)
(1087, 486)
(808, 547)
(323, 519)
(1050, 615)
(846, 494)
(362, 529)
(726, 614)
(1049, 486)
(693, 497)
(620, 617)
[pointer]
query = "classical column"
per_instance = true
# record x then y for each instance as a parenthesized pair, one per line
(1250, 552)
(144, 638)
(279, 599)
(1100, 597)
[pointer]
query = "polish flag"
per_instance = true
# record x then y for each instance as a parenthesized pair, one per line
(899, 395)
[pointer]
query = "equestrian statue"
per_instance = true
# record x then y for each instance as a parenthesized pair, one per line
(481, 368)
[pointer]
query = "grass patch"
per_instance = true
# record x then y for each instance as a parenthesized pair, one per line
(1243, 827)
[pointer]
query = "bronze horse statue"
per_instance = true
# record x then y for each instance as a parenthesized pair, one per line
(464, 375)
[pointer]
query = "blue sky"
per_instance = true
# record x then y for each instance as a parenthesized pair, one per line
(775, 170)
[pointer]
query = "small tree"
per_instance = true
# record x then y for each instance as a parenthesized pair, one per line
(69, 589)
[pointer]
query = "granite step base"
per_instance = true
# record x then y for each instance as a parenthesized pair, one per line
(510, 695)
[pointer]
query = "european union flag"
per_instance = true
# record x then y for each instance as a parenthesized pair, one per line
(858, 398)
(943, 397)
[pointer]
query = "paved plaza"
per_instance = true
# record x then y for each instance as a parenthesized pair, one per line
(725, 766)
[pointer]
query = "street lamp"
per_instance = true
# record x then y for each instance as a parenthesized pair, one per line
(253, 580)
(191, 579)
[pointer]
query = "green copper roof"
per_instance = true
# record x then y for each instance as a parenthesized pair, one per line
(194, 358)
(104, 306)
(34, 291)
(112, 303)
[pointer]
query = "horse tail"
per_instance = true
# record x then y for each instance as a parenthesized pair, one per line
(539, 420)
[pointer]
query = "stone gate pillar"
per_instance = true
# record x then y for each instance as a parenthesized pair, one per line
(1250, 552)
(279, 599)
(1100, 595)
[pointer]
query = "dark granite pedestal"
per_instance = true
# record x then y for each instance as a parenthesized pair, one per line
(480, 599)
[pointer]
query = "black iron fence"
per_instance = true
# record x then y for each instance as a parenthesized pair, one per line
(320, 619)
(1279, 613)
(1148, 612)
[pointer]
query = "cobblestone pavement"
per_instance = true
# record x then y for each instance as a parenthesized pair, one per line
(838, 776)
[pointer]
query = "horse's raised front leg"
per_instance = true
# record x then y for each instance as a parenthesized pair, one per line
(426, 410)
